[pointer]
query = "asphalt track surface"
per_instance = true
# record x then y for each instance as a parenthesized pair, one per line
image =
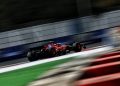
(13, 62)
(25, 60)
(16, 62)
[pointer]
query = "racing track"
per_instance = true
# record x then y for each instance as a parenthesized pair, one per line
(25, 60)
(13, 62)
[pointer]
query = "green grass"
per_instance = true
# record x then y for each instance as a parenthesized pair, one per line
(21, 77)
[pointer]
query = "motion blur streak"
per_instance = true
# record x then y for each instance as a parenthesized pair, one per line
(102, 65)
(99, 79)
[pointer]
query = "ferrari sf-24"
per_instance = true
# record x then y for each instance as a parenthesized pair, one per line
(53, 49)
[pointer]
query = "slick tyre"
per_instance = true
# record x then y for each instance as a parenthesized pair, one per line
(78, 47)
(31, 56)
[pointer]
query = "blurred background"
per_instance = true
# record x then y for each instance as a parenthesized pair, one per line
(26, 24)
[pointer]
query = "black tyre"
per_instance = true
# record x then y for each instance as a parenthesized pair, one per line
(78, 47)
(32, 56)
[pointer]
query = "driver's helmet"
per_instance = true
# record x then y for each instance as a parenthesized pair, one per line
(49, 46)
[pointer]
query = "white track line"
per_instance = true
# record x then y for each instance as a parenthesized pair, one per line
(84, 54)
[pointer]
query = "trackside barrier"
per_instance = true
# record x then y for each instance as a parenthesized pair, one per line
(84, 54)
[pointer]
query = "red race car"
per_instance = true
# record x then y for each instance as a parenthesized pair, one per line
(53, 49)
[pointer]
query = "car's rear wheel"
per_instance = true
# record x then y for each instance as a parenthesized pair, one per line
(32, 56)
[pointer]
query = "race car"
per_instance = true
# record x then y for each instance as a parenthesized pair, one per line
(53, 49)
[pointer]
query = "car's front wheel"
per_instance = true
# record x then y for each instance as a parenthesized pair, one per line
(78, 47)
